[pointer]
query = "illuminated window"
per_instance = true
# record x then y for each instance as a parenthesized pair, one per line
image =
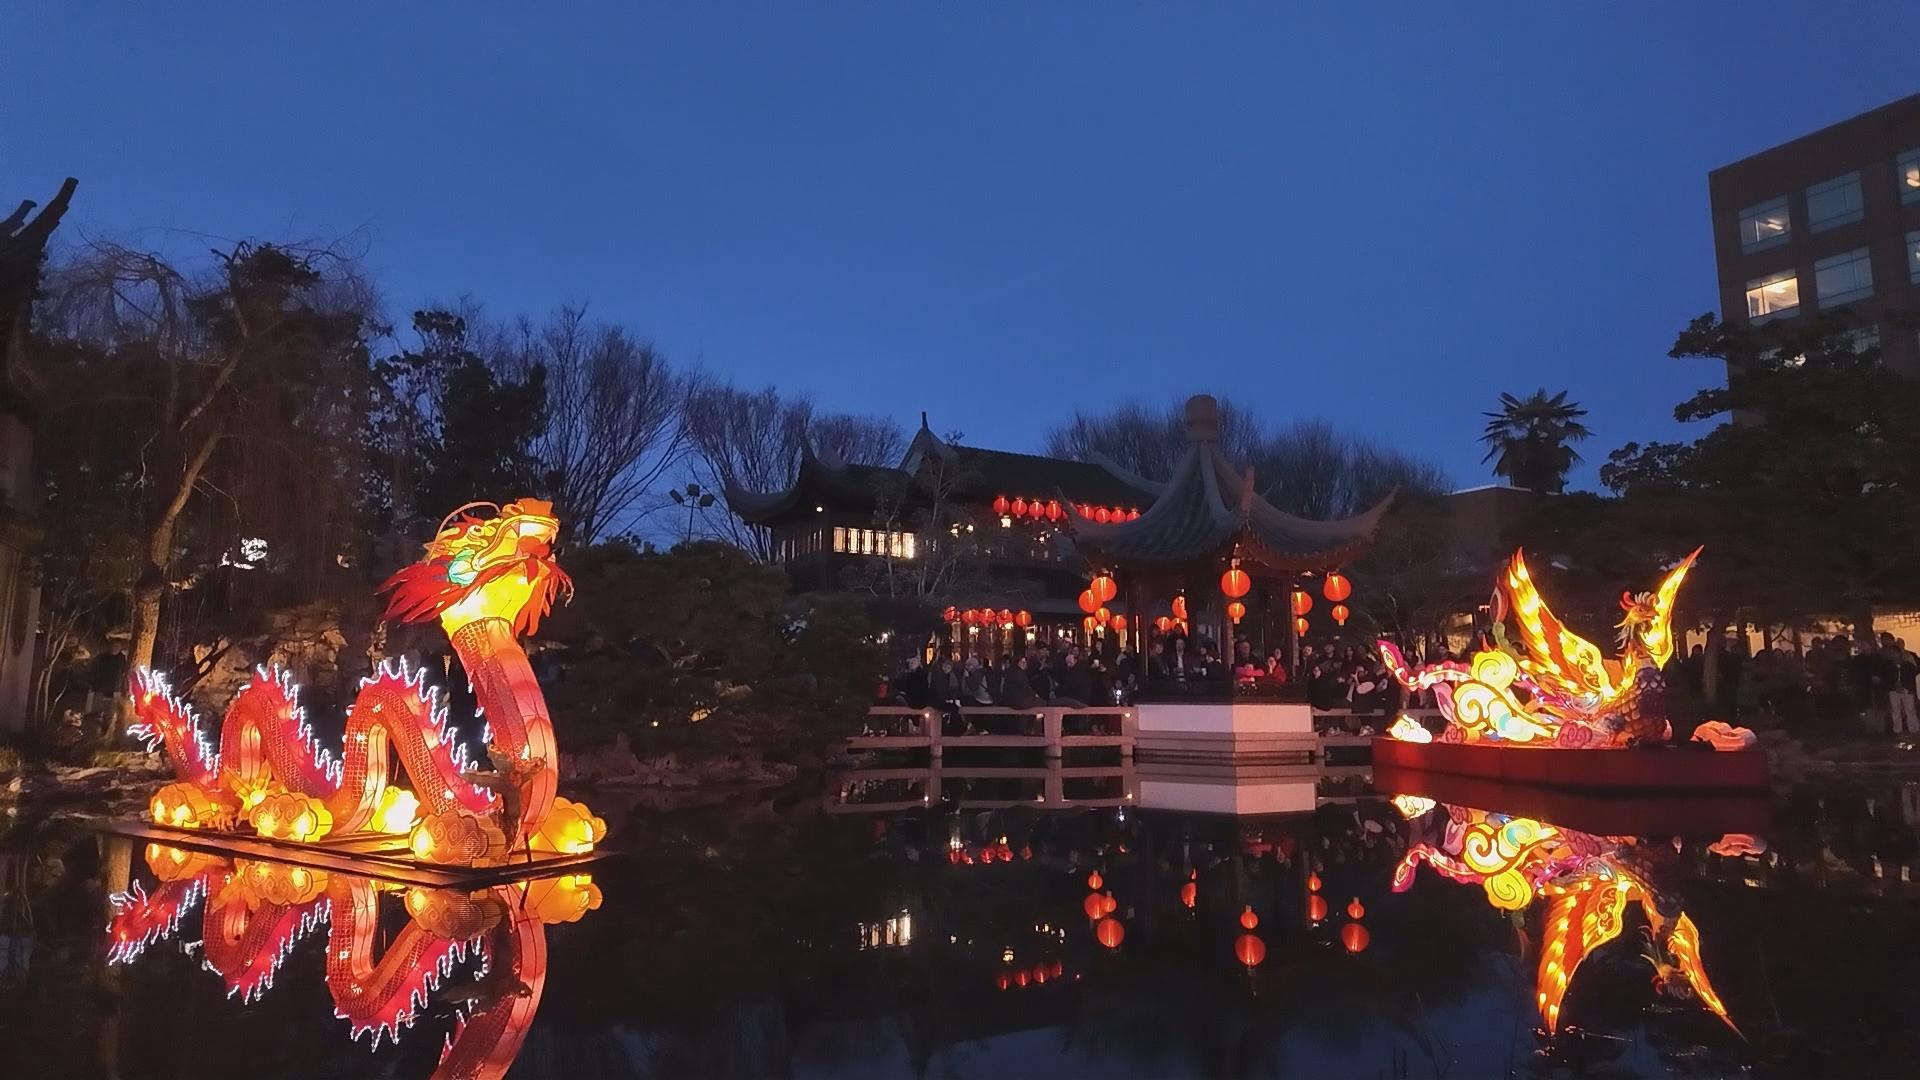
(896, 545)
(1906, 175)
(1836, 202)
(839, 539)
(1913, 256)
(1843, 278)
(1765, 225)
(1773, 297)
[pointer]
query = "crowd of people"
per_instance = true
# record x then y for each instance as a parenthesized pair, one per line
(1837, 682)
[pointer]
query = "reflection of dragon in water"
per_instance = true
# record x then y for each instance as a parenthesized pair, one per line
(487, 579)
(256, 912)
(1573, 696)
(1587, 882)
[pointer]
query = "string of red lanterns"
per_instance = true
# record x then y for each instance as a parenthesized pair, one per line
(1005, 618)
(1020, 507)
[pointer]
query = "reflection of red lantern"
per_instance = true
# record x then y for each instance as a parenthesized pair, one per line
(1248, 920)
(952, 614)
(1355, 910)
(1094, 881)
(1249, 949)
(1000, 506)
(1022, 619)
(1003, 980)
(1110, 933)
(1089, 624)
(1336, 588)
(1112, 904)
(1019, 508)
(1094, 905)
(1041, 973)
(1119, 622)
(1103, 588)
(1180, 608)
(1020, 978)
(1313, 882)
(1302, 603)
(1089, 603)
(1236, 610)
(1235, 583)
(1354, 937)
(1300, 627)
(1317, 908)
(1340, 614)
(1189, 893)
(1102, 616)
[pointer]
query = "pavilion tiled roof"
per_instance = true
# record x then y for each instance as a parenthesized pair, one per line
(1206, 510)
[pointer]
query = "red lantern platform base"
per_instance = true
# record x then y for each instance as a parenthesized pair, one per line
(1583, 770)
(1675, 813)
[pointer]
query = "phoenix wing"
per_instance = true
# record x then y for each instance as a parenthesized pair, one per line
(1582, 916)
(1575, 675)
(1684, 944)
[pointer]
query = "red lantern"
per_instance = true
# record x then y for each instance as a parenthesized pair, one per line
(1317, 908)
(970, 617)
(1133, 515)
(1094, 881)
(1000, 506)
(1337, 588)
(1054, 512)
(1089, 624)
(1235, 583)
(1112, 904)
(1302, 603)
(1094, 905)
(1248, 920)
(1035, 510)
(1103, 588)
(1089, 603)
(1355, 910)
(1354, 937)
(1110, 933)
(1020, 978)
(1102, 616)
(1163, 624)
(952, 614)
(1003, 980)
(1041, 973)
(1101, 515)
(1022, 619)
(1300, 627)
(1119, 622)
(1340, 614)
(1189, 893)
(1180, 608)
(1249, 949)
(1019, 508)
(1059, 969)
(1236, 610)
(1313, 882)
(1006, 618)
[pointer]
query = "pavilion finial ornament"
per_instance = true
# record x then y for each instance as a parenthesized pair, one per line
(1574, 696)
(487, 580)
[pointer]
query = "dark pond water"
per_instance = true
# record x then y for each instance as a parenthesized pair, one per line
(783, 941)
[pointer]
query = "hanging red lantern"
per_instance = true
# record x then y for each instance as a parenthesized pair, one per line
(1337, 588)
(1036, 511)
(1019, 508)
(1110, 933)
(1022, 619)
(952, 614)
(1090, 625)
(970, 617)
(1102, 515)
(1248, 920)
(1340, 614)
(1006, 618)
(1119, 622)
(1089, 603)
(1236, 610)
(1094, 881)
(1354, 937)
(1094, 905)
(1133, 515)
(1112, 904)
(1000, 505)
(1249, 949)
(1300, 627)
(1180, 608)
(1235, 583)
(1316, 908)
(1054, 512)
(1102, 616)
(1302, 603)
(1104, 588)
(1313, 882)
(1189, 894)
(1163, 624)
(1355, 910)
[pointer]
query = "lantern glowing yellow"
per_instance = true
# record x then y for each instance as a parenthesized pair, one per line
(1236, 610)
(1340, 614)
(1104, 588)
(1302, 603)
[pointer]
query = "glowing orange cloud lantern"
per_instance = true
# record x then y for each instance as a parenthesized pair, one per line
(1340, 614)
(1019, 508)
(1355, 910)
(487, 580)
(1249, 950)
(1089, 603)
(1248, 920)
(1236, 610)
(1180, 608)
(1110, 933)
(1235, 583)
(1316, 908)
(1302, 603)
(1189, 894)
(1300, 627)
(1001, 506)
(1104, 588)
(1022, 619)
(1336, 588)
(1094, 881)
(1354, 937)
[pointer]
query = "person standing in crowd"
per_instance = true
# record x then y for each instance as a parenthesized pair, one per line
(1903, 668)
(1073, 683)
(910, 689)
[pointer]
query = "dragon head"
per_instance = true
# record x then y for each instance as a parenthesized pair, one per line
(1646, 631)
(476, 567)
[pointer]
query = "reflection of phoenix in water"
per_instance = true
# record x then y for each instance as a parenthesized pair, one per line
(1588, 882)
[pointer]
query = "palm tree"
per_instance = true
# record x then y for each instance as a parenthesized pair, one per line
(1530, 440)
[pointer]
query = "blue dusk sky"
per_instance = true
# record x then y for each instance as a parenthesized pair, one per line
(1384, 214)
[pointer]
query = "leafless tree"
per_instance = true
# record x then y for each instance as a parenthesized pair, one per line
(1149, 441)
(947, 557)
(617, 414)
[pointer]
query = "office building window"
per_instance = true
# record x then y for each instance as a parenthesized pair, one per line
(1858, 340)
(1834, 203)
(1773, 297)
(1906, 175)
(1843, 278)
(1913, 256)
(1765, 225)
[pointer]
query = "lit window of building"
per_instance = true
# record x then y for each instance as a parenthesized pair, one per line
(1834, 203)
(898, 545)
(1906, 175)
(1765, 225)
(1773, 297)
(1843, 278)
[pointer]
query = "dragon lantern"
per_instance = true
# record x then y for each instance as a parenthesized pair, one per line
(488, 579)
